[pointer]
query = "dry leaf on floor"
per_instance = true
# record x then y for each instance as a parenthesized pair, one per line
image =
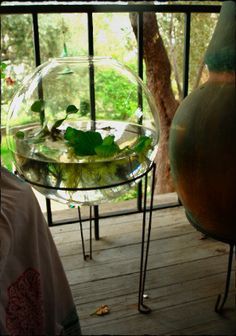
(102, 310)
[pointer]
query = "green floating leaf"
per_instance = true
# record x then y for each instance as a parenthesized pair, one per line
(84, 143)
(71, 109)
(71, 135)
(108, 147)
(38, 106)
(142, 145)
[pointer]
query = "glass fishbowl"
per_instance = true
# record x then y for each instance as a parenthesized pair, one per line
(82, 130)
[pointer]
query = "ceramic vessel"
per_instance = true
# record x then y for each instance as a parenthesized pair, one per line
(202, 143)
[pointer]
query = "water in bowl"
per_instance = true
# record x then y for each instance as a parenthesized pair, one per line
(59, 174)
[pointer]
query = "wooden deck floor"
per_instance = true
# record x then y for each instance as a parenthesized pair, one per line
(185, 275)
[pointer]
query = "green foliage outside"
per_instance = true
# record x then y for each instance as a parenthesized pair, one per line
(6, 158)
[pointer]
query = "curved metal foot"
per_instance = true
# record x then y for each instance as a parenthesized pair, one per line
(144, 309)
(219, 307)
(220, 302)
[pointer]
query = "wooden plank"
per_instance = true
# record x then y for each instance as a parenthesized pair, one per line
(109, 250)
(164, 217)
(170, 313)
(156, 277)
(62, 211)
(124, 225)
(173, 319)
(108, 242)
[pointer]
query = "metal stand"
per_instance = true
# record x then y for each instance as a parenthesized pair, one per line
(147, 221)
(220, 303)
(145, 238)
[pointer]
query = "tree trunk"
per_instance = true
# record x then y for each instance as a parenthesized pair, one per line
(173, 57)
(158, 71)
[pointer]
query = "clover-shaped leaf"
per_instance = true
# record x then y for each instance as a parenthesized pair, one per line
(71, 109)
(108, 147)
(83, 142)
(38, 106)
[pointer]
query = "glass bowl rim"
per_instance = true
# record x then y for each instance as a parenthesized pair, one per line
(81, 59)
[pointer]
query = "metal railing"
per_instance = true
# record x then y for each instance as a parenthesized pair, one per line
(89, 8)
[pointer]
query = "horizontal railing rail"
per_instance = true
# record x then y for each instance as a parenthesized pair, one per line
(105, 8)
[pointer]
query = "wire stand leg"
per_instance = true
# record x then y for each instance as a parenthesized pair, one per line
(49, 211)
(85, 256)
(90, 232)
(219, 305)
(96, 221)
(144, 255)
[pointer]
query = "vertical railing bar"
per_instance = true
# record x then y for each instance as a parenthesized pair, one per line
(92, 104)
(187, 28)
(96, 221)
(36, 39)
(37, 60)
(140, 97)
(91, 68)
(90, 34)
(140, 45)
